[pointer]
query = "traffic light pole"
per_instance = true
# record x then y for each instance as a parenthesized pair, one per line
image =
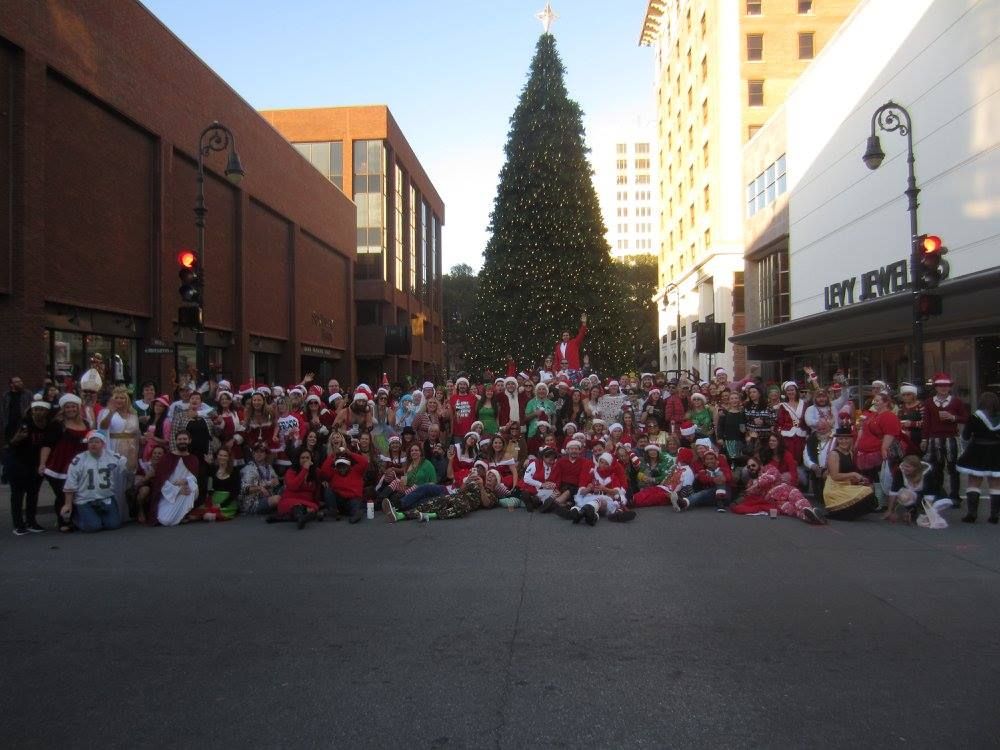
(216, 137)
(894, 117)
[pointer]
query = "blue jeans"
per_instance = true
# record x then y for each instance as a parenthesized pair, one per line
(707, 497)
(418, 494)
(97, 515)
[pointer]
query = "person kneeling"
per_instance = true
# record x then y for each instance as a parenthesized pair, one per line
(89, 488)
(605, 492)
(174, 488)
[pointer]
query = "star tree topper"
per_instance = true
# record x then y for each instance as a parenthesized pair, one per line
(546, 16)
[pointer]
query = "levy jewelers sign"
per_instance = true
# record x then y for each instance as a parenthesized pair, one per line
(879, 282)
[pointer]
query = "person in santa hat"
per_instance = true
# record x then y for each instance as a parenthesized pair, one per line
(569, 348)
(790, 420)
(511, 403)
(944, 415)
(603, 492)
(228, 427)
(675, 488)
(980, 461)
(572, 469)
(540, 483)
(357, 417)
(464, 408)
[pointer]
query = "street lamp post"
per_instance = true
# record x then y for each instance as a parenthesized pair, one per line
(677, 330)
(893, 117)
(216, 137)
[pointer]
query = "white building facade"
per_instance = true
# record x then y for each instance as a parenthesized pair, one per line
(841, 234)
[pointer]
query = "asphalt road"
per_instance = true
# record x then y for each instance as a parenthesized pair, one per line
(503, 630)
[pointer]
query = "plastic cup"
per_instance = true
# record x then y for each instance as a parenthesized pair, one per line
(773, 513)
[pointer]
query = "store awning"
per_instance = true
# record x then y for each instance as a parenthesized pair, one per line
(970, 306)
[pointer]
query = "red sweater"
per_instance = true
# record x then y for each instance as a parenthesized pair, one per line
(299, 491)
(350, 485)
(573, 472)
(935, 426)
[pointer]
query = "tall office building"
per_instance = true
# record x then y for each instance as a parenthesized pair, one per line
(397, 278)
(721, 69)
(626, 174)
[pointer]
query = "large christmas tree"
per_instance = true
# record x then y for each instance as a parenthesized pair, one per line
(547, 261)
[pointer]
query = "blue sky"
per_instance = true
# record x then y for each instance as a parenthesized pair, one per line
(450, 71)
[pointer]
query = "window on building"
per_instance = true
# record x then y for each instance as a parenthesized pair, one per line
(772, 286)
(708, 238)
(412, 231)
(704, 154)
(621, 148)
(704, 68)
(689, 58)
(755, 47)
(805, 6)
(370, 198)
(399, 235)
(806, 45)
(327, 157)
(690, 97)
(704, 112)
(425, 222)
(752, 130)
(642, 179)
(691, 176)
(738, 296)
(622, 164)
(707, 197)
(642, 163)
(703, 24)
(642, 148)
(767, 186)
(753, 7)
(691, 213)
(621, 180)
(755, 93)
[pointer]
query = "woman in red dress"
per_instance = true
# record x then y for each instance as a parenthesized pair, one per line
(72, 440)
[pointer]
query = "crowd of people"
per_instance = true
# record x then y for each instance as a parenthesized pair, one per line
(555, 439)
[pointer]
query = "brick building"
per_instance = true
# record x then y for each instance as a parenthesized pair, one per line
(399, 217)
(101, 108)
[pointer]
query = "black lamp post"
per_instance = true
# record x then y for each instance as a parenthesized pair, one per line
(216, 137)
(893, 117)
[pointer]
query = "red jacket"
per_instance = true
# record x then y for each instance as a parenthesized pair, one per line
(503, 407)
(572, 350)
(298, 491)
(350, 485)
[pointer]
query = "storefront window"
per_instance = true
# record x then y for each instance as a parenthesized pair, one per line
(264, 366)
(69, 354)
(959, 357)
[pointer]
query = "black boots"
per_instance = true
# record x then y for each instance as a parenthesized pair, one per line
(972, 503)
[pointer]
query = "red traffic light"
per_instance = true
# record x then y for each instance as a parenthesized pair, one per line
(930, 243)
(187, 258)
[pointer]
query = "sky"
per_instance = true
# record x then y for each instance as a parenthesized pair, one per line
(449, 70)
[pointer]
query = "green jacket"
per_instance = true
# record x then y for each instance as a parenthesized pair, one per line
(425, 473)
(533, 406)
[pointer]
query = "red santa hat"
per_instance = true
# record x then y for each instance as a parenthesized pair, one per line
(72, 398)
(312, 397)
(653, 447)
(315, 390)
(687, 428)
(908, 388)
(606, 457)
(700, 396)
(362, 393)
(225, 385)
(427, 384)
(720, 371)
(222, 393)
(685, 456)
(789, 384)
(385, 380)
(462, 380)
(246, 388)
(942, 378)
(569, 427)
(616, 426)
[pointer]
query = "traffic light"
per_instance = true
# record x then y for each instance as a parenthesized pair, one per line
(190, 313)
(929, 305)
(932, 268)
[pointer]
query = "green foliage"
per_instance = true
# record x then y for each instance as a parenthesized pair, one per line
(547, 260)
(638, 277)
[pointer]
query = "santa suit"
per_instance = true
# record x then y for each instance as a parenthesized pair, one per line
(232, 436)
(505, 468)
(570, 350)
(792, 427)
(536, 473)
(608, 491)
(461, 467)
(511, 407)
